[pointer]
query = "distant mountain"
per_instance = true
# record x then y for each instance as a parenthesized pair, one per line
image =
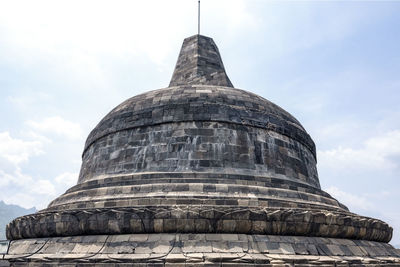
(8, 213)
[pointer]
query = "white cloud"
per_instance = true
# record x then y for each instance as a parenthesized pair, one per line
(43, 187)
(28, 98)
(32, 135)
(16, 177)
(376, 153)
(25, 190)
(236, 15)
(77, 48)
(302, 25)
(17, 150)
(115, 28)
(352, 201)
(385, 145)
(18, 187)
(58, 126)
(22, 199)
(67, 178)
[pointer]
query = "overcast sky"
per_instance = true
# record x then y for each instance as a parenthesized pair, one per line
(333, 65)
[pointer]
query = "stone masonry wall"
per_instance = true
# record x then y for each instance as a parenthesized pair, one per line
(200, 147)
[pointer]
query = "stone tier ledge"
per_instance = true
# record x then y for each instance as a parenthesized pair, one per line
(235, 193)
(199, 219)
(198, 177)
(179, 199)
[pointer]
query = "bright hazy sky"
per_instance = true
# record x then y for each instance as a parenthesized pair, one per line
(334, 65)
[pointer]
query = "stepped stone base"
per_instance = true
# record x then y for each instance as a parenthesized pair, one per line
(200, 250)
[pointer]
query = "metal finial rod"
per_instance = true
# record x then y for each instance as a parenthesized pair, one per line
(198, 19)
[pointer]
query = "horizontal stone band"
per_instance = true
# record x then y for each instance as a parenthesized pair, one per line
(199, 219)
(198, 177)
(207, 194)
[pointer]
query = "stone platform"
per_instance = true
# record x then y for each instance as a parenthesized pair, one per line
(200, 250)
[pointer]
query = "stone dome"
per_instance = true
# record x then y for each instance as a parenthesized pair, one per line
(194, 116)
(199, 157)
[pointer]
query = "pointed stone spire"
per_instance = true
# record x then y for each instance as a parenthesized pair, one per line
(199, 62)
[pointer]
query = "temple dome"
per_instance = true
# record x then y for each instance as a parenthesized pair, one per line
(198, 157)
(194, 104)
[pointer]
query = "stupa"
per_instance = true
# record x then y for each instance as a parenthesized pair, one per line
(198, 173)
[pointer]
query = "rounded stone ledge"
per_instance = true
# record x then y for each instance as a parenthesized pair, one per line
(200, 249)
(198, 219)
